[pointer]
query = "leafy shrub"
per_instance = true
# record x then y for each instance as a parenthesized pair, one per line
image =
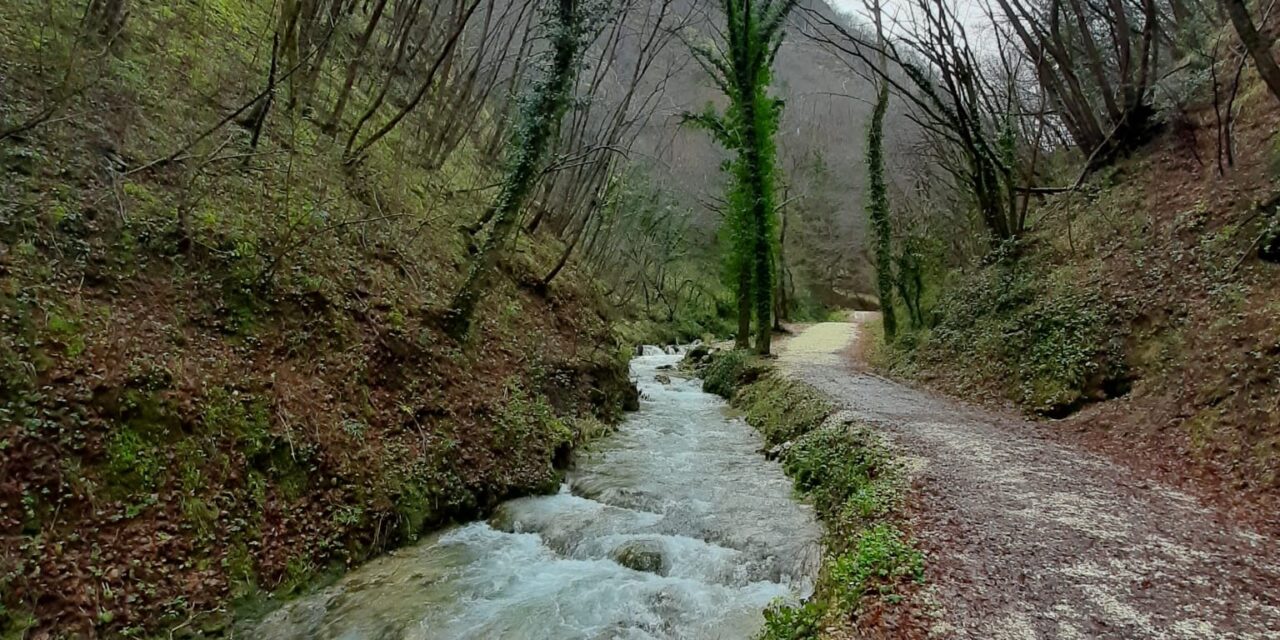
(783, 621)
(725, 373)
(881, 559)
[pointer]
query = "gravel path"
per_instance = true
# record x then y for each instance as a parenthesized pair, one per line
(1031, 539)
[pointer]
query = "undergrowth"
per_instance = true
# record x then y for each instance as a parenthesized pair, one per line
(1045, 338)
(782, 410)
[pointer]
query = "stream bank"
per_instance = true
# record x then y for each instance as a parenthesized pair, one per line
(673, 527)
(872, 573)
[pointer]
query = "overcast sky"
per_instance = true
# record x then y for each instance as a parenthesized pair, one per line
(972, 14)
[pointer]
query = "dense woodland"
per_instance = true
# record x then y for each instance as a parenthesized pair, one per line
(263, 265)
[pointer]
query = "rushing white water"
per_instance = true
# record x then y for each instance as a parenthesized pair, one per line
(672, 527)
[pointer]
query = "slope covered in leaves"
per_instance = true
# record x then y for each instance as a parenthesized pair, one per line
(223, 375)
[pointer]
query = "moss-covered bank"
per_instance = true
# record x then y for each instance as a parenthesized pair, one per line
(853, 481)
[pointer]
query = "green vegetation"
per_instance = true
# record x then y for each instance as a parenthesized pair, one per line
(1122, 246)
(1039, 331)
(879, 560)
(681, 298)
(286, 284)
(741, 68)
(782, 410)
(726, 372)
(844, 472)
(854, 483)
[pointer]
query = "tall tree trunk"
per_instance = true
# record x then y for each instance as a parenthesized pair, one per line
(782, 312)
(877, 193)
(353, 67)
(878, 212)
(1258, 47)
(743, 338)
(761, 234)
(539, 120)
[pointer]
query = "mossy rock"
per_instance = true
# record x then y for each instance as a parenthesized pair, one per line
(641, 555)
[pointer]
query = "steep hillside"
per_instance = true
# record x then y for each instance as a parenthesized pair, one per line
(1143, 309)
(222, 374)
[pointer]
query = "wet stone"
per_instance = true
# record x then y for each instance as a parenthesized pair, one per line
(641, 555)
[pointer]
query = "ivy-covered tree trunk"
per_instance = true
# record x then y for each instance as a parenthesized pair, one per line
(743, 338)
(781, 310)
(878, 212)
(539, 118)
(759, 171)
(877, 192)
(741, 67)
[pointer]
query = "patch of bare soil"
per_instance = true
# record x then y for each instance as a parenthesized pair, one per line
(1029, 537)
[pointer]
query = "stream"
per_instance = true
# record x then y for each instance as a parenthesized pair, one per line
(672, 527)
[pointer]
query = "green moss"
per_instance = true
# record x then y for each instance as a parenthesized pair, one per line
(782, 410)
(298, 572)
(414, 507)
(201, 515)
(15, 624)
(429, 492)
(241, 417)
(67, 332)
(240, 572)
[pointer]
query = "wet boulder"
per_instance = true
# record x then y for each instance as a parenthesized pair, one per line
(641, 555)
(698, 353)
(631, 398)
(778, 451)
(662, 378)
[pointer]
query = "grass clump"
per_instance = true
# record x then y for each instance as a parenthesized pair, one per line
(882, 558)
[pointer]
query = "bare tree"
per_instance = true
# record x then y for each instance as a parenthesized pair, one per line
(1097, 62)
(1258, 46)
(953, 101)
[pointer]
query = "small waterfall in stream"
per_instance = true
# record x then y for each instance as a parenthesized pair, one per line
(674, 527)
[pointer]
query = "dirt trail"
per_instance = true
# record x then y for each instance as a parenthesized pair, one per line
(1031, 539)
